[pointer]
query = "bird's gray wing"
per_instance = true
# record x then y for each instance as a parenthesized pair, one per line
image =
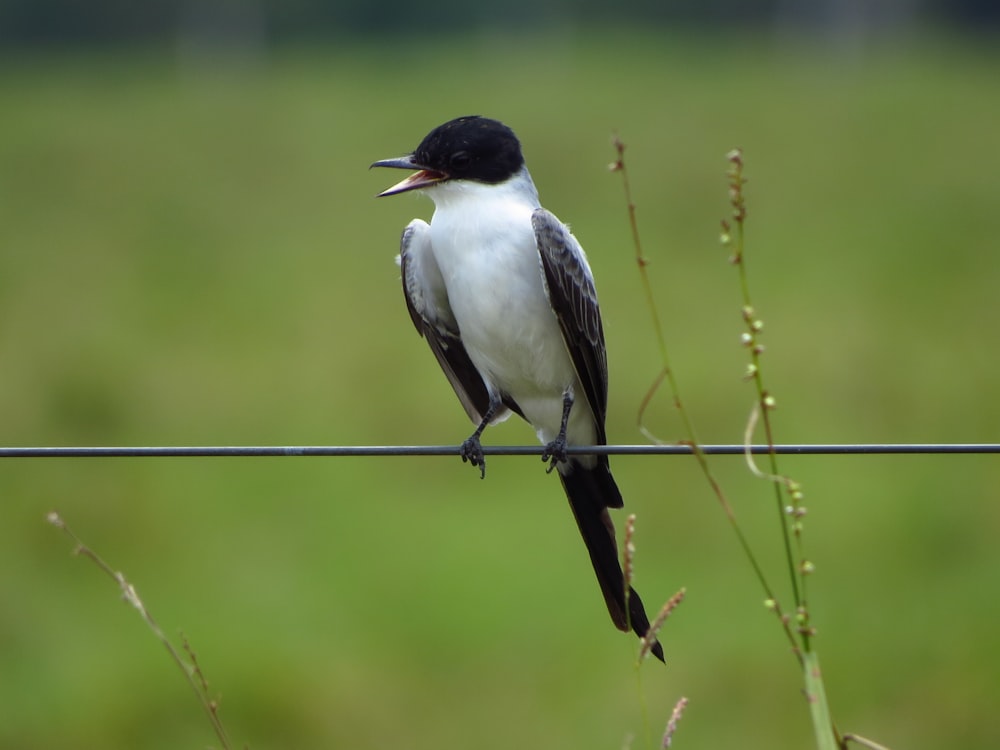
(427, 302)
(571, 292)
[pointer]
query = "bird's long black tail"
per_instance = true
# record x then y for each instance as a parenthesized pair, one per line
(591, 491)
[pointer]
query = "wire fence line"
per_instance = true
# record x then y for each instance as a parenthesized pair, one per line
(218, 451)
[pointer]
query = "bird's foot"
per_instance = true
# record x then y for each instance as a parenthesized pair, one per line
(472, 451)
(554, 453)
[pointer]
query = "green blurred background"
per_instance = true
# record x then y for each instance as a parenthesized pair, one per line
(190, 254)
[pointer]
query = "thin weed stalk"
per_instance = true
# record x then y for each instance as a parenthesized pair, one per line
(675, 717)
(192, 671)
(791, 514)
(733, 237)
(666, 374)
(649, 639)
(628, 571)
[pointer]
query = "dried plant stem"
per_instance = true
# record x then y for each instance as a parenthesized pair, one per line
(192, 672)
(800, 631)
(859, 740)
(628, 571)
(667, 374)
(675, 717)
(646, 644)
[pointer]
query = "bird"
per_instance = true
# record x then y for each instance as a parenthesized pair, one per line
(503, 294)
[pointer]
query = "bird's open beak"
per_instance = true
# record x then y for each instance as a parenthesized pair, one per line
(419, 179)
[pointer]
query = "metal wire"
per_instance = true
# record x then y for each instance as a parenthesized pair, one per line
(500, 450)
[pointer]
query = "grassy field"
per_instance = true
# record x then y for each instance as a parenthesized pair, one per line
(190, 253)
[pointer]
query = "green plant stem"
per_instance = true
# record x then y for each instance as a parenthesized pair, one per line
(826, 734)
(797, 581)
(666, 373)
(819, 709)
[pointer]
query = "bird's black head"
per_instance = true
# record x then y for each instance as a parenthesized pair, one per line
(467, 148)
(472, 148)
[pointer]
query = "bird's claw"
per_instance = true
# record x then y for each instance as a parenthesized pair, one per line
(472, 451)
(554, 453)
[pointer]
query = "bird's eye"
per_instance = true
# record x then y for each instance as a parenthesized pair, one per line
(460, 160)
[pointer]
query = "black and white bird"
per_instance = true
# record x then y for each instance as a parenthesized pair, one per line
(504, 296)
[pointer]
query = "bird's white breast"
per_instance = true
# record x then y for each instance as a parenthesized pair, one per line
(484, 244)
